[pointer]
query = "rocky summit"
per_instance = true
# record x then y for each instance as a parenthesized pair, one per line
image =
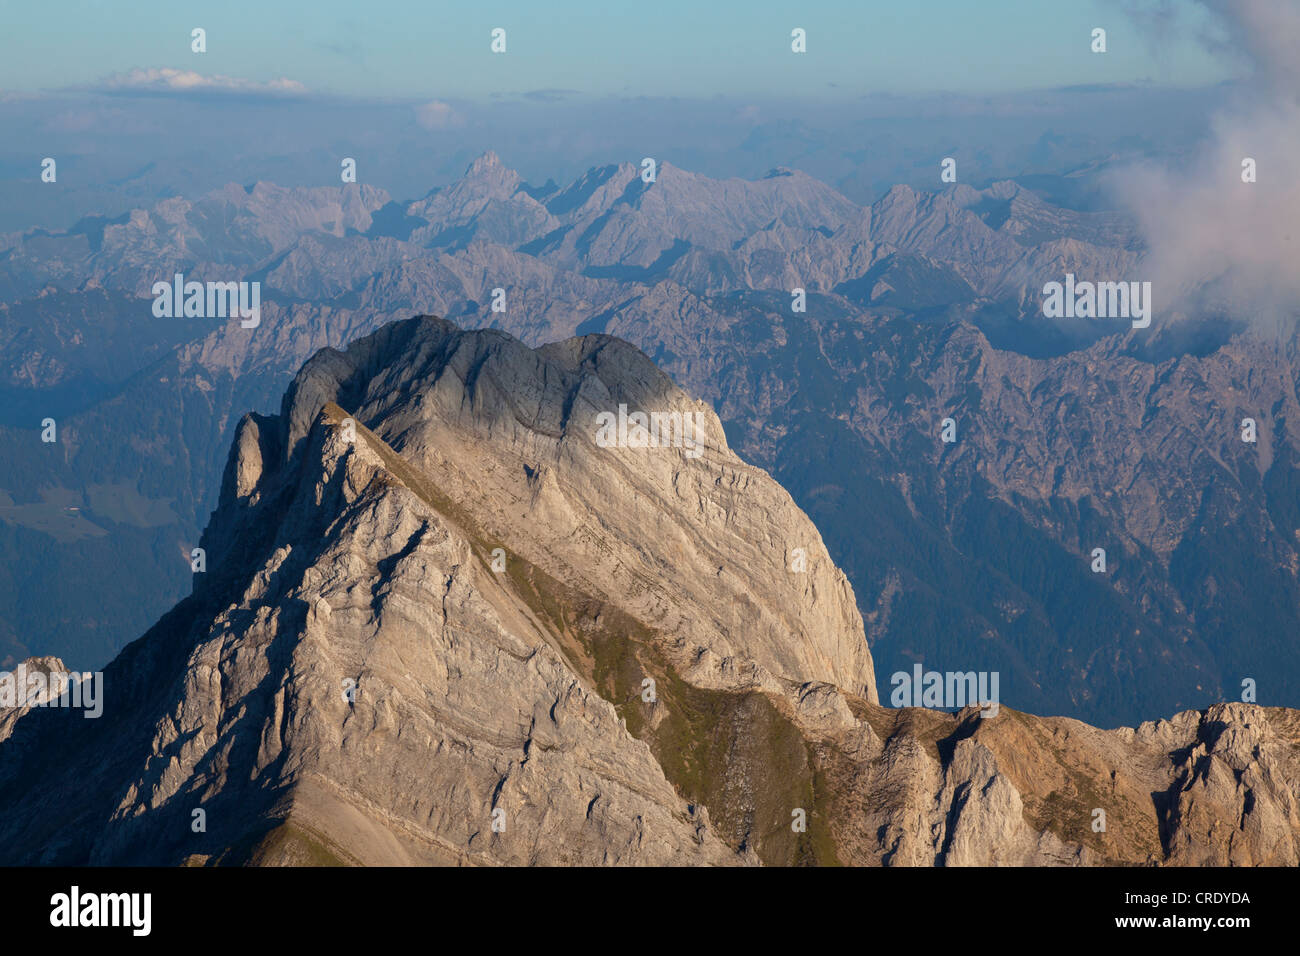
(469, 602)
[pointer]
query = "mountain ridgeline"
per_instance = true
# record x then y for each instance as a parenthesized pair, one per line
(442, 622)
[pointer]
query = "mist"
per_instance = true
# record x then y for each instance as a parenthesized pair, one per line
(1219, 245)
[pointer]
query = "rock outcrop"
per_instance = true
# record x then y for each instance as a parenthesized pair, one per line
(445, 621)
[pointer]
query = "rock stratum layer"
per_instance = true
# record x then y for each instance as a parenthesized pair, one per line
(440, 623)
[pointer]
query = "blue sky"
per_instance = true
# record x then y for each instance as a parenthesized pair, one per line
(406, 48)
(412, 91)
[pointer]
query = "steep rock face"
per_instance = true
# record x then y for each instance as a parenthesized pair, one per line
(353, 681)
(372, 696)
(692, 541)
(52, 682)
(441, 623)
(1209, 788)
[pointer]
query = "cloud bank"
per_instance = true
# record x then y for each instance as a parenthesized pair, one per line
(1218, 245)
(170, 80)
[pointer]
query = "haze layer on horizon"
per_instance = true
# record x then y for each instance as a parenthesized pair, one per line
(413, 92)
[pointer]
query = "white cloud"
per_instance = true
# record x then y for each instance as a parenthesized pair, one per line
(438, 115)
(1213, 241)
(171, 80)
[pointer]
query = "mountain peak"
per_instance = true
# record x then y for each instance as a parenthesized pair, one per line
(452, 580)
(488, 160)
(435, 522)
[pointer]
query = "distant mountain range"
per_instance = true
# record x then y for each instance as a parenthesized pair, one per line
(1070, 435)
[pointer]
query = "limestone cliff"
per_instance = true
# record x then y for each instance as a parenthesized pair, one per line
(441, 621)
